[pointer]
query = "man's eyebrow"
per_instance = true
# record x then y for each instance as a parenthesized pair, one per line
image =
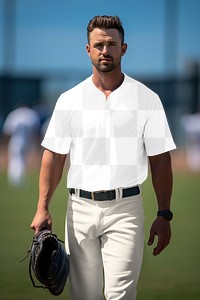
(103, 41)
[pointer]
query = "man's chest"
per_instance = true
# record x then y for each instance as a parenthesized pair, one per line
(105, 123)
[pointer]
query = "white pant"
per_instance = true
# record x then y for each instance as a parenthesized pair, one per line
(105, 242)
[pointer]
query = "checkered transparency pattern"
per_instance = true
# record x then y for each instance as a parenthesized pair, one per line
(108, 139)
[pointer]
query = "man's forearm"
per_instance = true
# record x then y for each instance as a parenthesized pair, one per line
(50, 176)
(162, 183)
(162, 179)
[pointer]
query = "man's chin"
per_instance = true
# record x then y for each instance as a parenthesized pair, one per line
(106, 69)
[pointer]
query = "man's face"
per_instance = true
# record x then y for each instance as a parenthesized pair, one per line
(105, 49)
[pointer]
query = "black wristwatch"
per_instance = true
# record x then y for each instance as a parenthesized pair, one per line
(166, 214)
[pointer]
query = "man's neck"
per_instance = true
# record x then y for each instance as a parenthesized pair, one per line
(107, 82)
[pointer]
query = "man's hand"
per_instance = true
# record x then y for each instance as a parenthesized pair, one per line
(42, 220)
(162, 229)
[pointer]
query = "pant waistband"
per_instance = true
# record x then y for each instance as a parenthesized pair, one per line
(106, 195)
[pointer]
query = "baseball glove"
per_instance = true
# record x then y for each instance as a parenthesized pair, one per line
(49, 262)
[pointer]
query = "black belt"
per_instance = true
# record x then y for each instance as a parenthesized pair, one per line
(107, 195)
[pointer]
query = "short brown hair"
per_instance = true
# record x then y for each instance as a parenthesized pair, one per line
(106, 22)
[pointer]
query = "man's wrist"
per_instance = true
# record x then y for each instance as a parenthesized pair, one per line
(42, 207)
(166, 214)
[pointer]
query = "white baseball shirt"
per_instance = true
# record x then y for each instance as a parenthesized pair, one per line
(110, 138)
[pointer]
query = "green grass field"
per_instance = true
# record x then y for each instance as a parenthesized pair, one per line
(174, 275)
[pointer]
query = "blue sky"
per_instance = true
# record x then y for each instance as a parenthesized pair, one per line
(51, 34)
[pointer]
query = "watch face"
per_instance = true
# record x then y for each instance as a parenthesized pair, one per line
(168, 216)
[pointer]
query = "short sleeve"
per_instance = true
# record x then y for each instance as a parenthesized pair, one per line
(157, 135)
(58, 137)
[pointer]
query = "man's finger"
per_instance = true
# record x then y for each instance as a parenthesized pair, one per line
(151, 237)
(159, 247)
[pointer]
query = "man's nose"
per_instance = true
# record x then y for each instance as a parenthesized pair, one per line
(105, 49)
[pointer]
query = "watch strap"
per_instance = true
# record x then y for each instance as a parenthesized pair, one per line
(166, 214)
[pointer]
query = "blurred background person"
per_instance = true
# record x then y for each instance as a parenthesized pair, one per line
(44, 114)
(21, 126)
(191, 126)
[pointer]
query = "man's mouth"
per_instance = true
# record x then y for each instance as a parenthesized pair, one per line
(105, 59)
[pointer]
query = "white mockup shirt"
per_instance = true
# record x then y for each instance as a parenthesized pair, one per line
(110, 138)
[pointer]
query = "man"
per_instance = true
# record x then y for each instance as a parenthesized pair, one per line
(109, 124)
(21, 126)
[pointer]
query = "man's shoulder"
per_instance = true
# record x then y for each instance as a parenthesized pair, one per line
(72, 98)
(141, 87)
(147, 98)
(78, 88)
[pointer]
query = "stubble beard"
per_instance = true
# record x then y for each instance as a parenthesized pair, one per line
(106, 67)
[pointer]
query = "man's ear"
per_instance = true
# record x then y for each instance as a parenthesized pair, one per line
(88, 49)
(124, 48)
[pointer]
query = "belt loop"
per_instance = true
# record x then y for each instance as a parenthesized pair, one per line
(120, 193)
(77, 192)
(117, 193)
(140, 188)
